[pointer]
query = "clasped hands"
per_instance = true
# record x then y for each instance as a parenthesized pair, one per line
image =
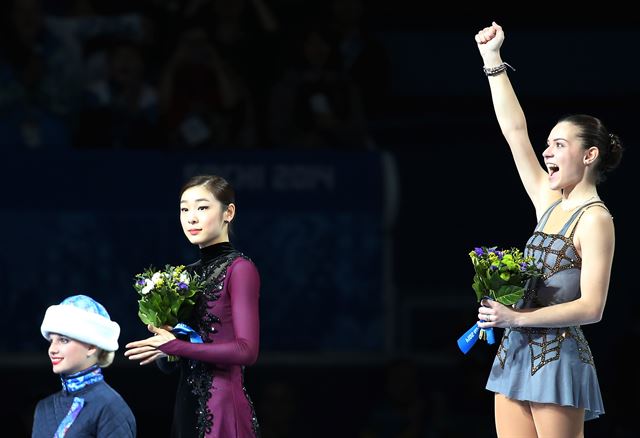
(146, 350)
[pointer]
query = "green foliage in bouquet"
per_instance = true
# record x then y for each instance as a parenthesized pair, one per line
(166, 296)
(501, 274)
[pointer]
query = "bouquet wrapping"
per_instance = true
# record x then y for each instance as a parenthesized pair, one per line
(499, 275)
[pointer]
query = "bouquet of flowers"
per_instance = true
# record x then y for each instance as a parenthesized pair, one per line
(166, 296)
(500, 275)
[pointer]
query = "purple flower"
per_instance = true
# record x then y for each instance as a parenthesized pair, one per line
(182, 285)
(493, 267)
(140, 282)
(479, 252)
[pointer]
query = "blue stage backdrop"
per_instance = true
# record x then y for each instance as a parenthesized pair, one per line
(88, 221)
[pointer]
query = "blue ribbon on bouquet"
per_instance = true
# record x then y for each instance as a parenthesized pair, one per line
(183, 329)
(468, 340)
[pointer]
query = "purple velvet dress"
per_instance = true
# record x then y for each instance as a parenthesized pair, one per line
(211, 400)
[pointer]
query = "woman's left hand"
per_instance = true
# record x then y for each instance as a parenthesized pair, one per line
(146, 350)
(493, 314)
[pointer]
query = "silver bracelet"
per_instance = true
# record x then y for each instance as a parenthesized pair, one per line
(494, 71)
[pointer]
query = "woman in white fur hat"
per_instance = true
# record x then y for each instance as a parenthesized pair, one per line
(82, 340)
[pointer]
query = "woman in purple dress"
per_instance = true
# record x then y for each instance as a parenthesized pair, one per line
(211, 400)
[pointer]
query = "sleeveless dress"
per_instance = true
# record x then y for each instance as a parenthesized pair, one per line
(549, 365)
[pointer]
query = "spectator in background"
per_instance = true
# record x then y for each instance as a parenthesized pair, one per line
(43, 71)
(122, 110)
(363, 56)
(315, 104)
(204, 103)
(247, 35)
(35, 67)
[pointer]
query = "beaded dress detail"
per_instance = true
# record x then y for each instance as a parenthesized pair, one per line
(212, 399)
(550, 365)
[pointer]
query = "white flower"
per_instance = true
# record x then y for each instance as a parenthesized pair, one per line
(148, 286)
(156, 277)
(184, 277)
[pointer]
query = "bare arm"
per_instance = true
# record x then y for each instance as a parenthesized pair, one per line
(512, 120)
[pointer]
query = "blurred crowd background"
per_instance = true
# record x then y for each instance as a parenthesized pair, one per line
(367, 162)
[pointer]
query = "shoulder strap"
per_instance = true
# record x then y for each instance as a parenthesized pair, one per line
(575, 217)
(545, 216)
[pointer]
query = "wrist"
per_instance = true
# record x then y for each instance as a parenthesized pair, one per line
(498, 69)
(517, 320)
(492, 60)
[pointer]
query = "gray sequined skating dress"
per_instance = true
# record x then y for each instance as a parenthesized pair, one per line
(549, 365)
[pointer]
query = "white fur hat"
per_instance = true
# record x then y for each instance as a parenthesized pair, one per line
(82, 318)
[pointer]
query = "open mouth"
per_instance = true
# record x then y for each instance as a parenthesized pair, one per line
(552, 168)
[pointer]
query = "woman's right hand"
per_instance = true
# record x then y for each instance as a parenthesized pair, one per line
(490, 40)
(146, 350)
(146, 357)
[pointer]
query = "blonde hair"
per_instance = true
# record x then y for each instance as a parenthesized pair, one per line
(105, 358)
